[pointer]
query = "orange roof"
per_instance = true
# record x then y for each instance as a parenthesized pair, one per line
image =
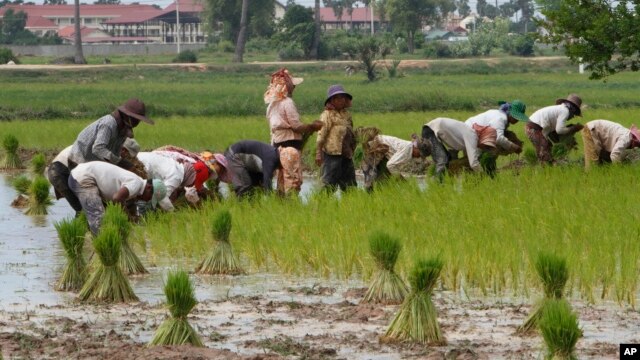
(136, 17)
(69, 31)
(49, 11)
(358, 15)
(39, 22)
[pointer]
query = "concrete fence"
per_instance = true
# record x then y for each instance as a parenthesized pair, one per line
(101, 50)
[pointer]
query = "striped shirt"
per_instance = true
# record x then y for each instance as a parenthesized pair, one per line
(100, 141)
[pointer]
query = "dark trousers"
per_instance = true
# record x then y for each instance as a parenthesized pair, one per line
(58, 175)
(338, 171)
(242, 180)
(441, 157)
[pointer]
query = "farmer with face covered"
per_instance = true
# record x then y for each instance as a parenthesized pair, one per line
(500, 119)
(605, 141)
(286, 129)
(441, 135)
(549, 123)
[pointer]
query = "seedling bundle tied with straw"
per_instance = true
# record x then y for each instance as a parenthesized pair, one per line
(560, 329)
(115, 216)
(71, 233)
(107, 283)
(11, 160)
(39, 197)
(386, 287)
(221, 260)
(180, 300)
(417, 319)
(552, 270)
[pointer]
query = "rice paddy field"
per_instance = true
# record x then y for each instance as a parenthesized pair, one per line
(306, 260)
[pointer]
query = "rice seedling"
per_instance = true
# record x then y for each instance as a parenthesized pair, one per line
(560, 330)
(107, 282)
(11, 159)
(39, 197)
(417, 319)
(38, 163)
(221, 260)
(386, 287)
(552, 271)
(129, 262)
(22, 184)
(176, 330)
(71, 234)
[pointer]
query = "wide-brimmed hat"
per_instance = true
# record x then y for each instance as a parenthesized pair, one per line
(159, 192)
(635, 133)
(131, 146)
(136, 109)
(517, 111)
(336, 90)
(575, 100)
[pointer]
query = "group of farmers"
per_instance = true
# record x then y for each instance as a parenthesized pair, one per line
(104, 163)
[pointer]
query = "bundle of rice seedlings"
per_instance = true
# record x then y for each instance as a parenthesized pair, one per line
(107, 282)
(22, 184)
(552, 271)
(71, 234)
(180, 300)
(129, 262)
(11, 159)
(38, 163)
(488, 163)
(222, 259)
(39, 197)
(417, 320)
(560, 330)
(386, 287)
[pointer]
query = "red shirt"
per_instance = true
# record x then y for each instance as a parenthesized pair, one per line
(202, 174)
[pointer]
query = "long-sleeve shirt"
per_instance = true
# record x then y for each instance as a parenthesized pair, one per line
(100, 141)
(458, 136)
(166, 169)
(258, 157)
(498, 120)
(552, 118)
(610, 137)
(400, 152)
(335, 125)
(283, 118)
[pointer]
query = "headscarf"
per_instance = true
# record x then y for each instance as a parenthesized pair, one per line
(486, 135)
(281, 83)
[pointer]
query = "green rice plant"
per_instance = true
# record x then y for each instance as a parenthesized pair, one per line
(22, 184)
(11, 159)
(530, 156)
(180, 300)
(129, 262)
(221, 260)
(417, 319)
(560, 330)
(39, 197)
(107, 282)
(552, 271)
(386, 287)
(71, 234)
(488, 163)
(38, 163)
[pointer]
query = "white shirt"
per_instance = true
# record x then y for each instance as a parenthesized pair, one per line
(400, 152)
(496, 119)
(63, 156)
(166, 169)
(108, 178)
(458, 136)
(175, 156)
(552, 118)
(610, 137)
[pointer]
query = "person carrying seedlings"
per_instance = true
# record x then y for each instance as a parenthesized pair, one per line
(336, 142)
(97, 182)
(102, 140)
(252, 164)
(441, 134)
(605, 141)
(500, 119)
(546, 125)
(287, 130)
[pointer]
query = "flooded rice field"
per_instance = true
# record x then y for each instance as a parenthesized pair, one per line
(255, 316)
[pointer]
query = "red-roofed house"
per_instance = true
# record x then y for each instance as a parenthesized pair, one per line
(360, 18)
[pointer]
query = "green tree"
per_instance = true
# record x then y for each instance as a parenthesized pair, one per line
(297, 28)
(226, 15)
(13, 23)
(600, 34)
(315, 47)
(463, 7)
(409, 16)
(488, 36)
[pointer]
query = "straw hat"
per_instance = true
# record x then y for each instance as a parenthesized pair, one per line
(573, 99)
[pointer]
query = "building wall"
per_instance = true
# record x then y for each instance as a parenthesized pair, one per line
(102, 49)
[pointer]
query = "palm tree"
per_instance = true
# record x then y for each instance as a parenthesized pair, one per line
(242, 35)
(79, 57)
(316, 37)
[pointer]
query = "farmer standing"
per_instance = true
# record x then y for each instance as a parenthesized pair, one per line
(336, 141)
(500, 119)
(548, 123)
(251, 164)
(442, 133)
(97, 182)
(286, 129)
(605, 141)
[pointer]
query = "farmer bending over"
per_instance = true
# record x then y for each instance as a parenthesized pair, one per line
(500, 119)
(605, 141)
(251, 164)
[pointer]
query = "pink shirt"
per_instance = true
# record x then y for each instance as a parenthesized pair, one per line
(283, 117)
